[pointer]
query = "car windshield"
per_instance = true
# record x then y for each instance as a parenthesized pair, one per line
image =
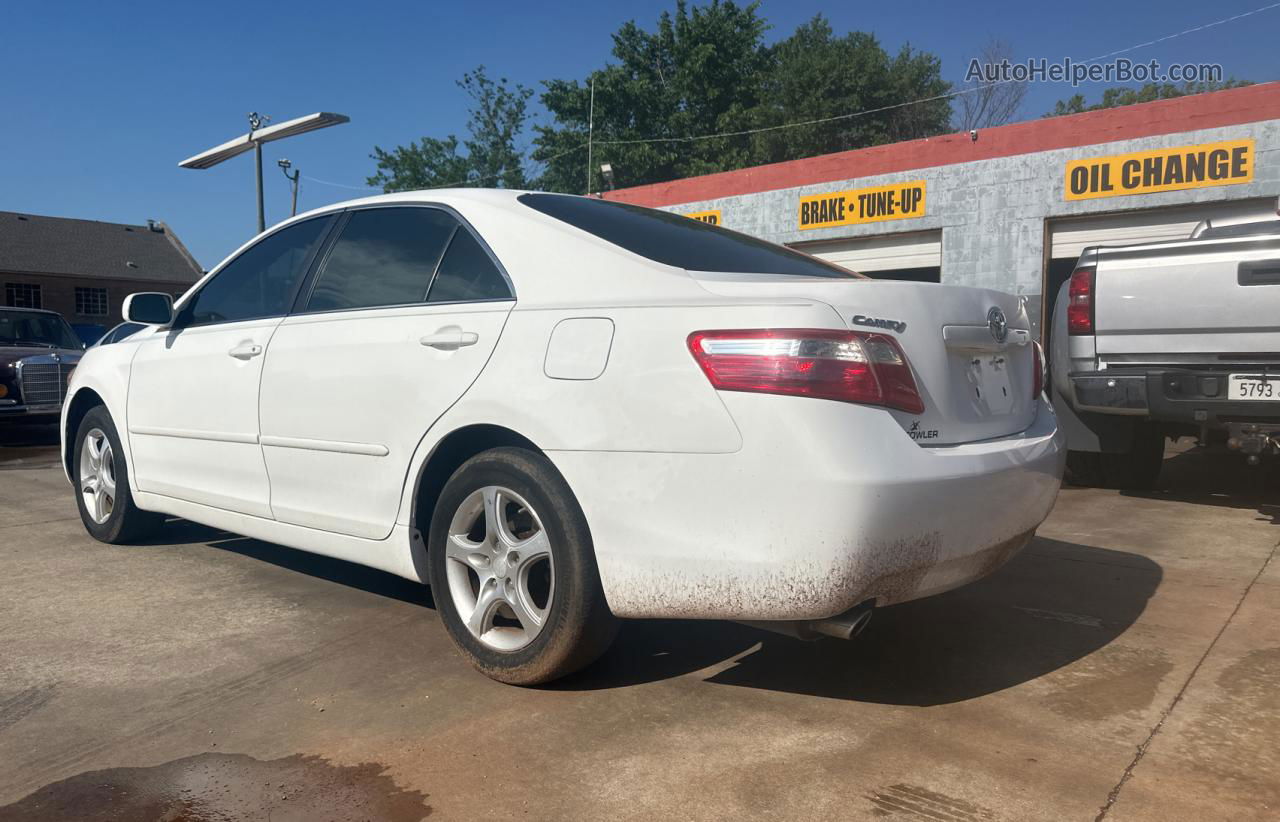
(680, 241)
(35, 328)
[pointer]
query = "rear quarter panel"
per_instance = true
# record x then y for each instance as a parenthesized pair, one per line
(651, 396)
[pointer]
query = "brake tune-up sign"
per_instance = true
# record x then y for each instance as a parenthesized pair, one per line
(1165, 169)
(899, 201)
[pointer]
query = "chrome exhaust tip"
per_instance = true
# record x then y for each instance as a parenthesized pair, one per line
(842, 626)
(845, 626)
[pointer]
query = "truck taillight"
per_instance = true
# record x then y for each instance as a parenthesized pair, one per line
(1080, 302)
(848, 366)
(1037, 364)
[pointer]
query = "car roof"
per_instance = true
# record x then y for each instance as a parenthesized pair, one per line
(446, 196)
(533, 248)
(20, 308)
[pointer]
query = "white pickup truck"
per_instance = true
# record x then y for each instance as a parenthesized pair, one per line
(1169, 339)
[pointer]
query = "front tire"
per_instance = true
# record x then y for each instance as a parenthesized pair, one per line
(513, 572)
(102, 484)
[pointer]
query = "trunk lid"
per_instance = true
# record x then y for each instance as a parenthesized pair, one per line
(974, 387)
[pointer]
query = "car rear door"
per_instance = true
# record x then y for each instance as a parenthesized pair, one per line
(193, 389)
(399, 320)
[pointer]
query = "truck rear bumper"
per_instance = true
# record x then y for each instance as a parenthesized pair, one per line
(1196, 396)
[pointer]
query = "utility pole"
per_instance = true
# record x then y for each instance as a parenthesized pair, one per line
(297, 172)
(591, 123)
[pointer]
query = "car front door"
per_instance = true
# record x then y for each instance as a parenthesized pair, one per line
(397, 323)
(193, 388)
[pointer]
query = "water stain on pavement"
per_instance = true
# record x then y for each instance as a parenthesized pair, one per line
(216, 787)
(1233, 737)
(1113, 681)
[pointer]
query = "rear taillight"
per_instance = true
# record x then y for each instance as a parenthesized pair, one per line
(1037, 365)
(1080, 302)
(849, 366)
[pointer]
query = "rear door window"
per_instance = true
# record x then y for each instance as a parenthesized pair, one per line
(383, 257)
(679, 241)
(467, 273)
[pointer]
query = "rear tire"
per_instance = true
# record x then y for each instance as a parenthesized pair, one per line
(513, 571)
(102, 484)
(1135, 470)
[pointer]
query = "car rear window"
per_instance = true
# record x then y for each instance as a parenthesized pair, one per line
(679, 241)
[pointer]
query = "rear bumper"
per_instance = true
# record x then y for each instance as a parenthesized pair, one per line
(797, 526)
(1182, 395)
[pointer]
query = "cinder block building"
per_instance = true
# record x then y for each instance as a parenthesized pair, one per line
(83, 269)
(1011, 207)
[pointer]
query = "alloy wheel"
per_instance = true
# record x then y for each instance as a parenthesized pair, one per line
(500, 570)
(98, 475)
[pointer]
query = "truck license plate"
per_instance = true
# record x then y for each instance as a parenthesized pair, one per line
(1253, 387)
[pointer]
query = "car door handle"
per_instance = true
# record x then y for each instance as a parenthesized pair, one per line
(450, 338)
(246, 351)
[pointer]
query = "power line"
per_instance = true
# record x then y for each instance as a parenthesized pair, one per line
(338, 185)
(946, 96)
(1231, 19)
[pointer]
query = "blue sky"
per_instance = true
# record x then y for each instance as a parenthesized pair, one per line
(102, 99)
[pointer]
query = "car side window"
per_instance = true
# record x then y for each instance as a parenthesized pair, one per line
(384, 256)
(260, 282)
(468, 273)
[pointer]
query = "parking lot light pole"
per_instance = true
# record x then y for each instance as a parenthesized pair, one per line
(255, 138)
(255, 122)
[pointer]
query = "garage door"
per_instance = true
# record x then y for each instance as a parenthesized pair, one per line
(1070, 236)
(892, 252)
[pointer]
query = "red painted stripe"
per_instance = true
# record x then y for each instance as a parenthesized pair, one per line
(1250, 104)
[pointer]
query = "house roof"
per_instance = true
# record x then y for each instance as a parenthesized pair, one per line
(33, 244)
(1230, 107)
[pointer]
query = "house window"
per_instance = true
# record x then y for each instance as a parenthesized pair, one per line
(22, 295)
(91, 302)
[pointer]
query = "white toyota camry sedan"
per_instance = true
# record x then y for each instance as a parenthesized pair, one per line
(560, 411)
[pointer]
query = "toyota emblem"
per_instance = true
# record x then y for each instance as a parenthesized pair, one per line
(998, 324)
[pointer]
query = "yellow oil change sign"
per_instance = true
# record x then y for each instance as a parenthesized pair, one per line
(1166, 169)
(899, 201)
(712, 217)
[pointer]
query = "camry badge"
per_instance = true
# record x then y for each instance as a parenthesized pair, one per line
(877, 322)
(998, 324)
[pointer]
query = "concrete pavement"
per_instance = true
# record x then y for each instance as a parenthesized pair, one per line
(1125, 666)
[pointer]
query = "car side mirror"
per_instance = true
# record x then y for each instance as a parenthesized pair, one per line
(148, 308)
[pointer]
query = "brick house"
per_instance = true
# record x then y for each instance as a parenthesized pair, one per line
(83, 269)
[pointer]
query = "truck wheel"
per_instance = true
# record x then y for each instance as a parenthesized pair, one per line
(1135, 470)
(513, 570)
(102, 480)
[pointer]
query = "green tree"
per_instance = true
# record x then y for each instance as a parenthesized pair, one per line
(497, 118)
(497, 121)
(707, 70)
(699, 72)
(813, 75)
(430, 163)
(1124, 96)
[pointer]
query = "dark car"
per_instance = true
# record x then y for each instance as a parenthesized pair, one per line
(120, 332)
(89, 333)
(38, 351)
